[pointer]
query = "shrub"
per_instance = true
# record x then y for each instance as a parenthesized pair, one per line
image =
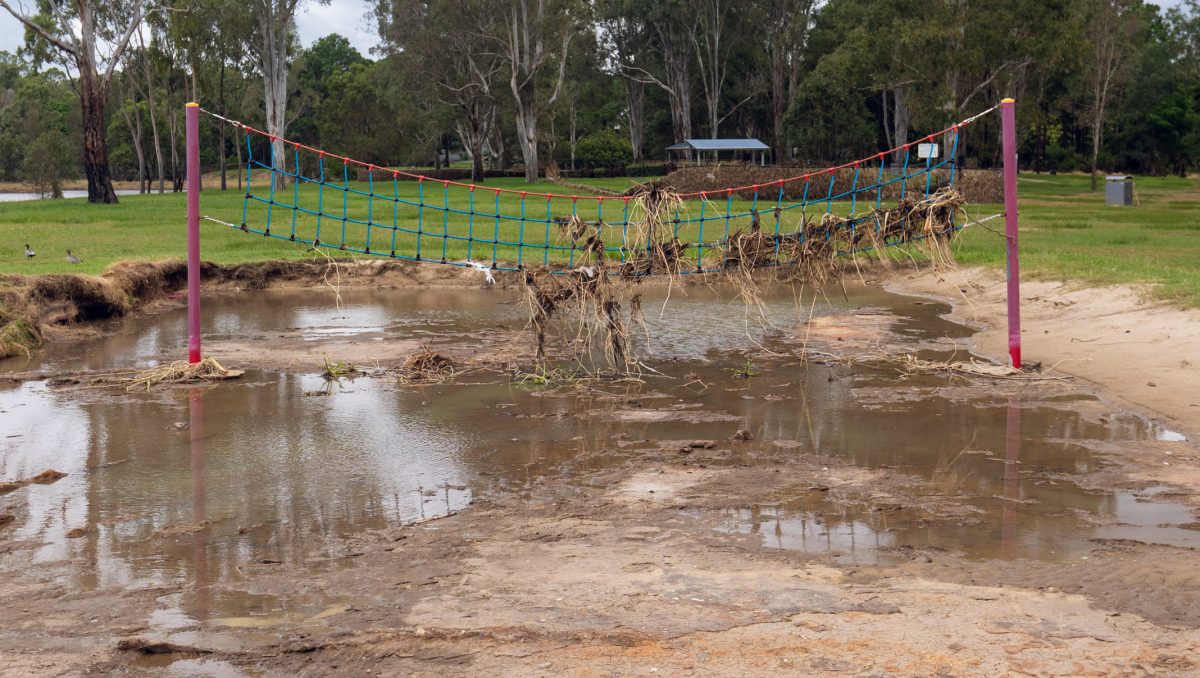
(605, 149)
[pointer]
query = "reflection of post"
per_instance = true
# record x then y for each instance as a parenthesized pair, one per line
(200, 537)
(1012, 451)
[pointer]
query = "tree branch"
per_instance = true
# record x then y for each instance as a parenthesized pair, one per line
(123, 43)
(738, 105)
(70, 49)
(562, 69)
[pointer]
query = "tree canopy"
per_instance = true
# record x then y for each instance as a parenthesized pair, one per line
(1101, 85)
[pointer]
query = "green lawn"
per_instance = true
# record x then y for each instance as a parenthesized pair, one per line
(1067, 232)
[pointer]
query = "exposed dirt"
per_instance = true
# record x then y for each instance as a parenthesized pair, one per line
(34, 308)
(626, 570)
(1141, 352)
(624, 573)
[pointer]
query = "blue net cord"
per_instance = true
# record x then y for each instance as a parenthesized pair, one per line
(517, 230)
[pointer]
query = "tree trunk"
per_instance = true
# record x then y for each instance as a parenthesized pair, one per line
(635, 104)
(477, 174)
(525, 39)
(787, 29)
(135, 133)
(472, 132)
(91, 101)
(176, 180)
(500, 155)
(158, 157)
(680, 95)
(900, 120)
(95, 146)
(574, 130)
(677, 58)
(221, 128)
(527, 138)
(274, 58)
(779, 104)
(707, 42)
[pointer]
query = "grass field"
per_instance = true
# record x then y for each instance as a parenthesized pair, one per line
(1067, 232)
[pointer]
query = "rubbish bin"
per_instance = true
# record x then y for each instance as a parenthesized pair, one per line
(1118, 190)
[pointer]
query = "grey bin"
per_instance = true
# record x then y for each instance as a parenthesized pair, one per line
(1118, 190)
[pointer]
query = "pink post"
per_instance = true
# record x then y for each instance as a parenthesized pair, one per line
(1008, 123)
(192, 125)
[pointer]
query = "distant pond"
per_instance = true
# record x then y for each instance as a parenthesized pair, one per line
(13, 197)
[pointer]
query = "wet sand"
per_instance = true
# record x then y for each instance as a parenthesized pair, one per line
(1143, 352)
(825, 515)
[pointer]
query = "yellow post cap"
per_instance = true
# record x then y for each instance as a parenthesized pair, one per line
(192, 104)
(1008, 100)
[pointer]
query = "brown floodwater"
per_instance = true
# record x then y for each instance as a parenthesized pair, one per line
(187, 484)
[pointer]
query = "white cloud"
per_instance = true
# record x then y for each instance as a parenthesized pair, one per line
(351, 18)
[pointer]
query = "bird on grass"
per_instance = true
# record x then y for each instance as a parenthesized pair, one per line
(29, 253)
(72, 259)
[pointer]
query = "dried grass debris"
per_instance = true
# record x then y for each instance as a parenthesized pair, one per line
(426, 365)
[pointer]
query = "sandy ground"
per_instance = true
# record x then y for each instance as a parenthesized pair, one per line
(623, 575)
(1138, 351)
(624, 571)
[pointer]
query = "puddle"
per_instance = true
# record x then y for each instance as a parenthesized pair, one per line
(192, 484)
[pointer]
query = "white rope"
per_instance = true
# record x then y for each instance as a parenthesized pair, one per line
(484, 269)
(977, 116)
(235, 123)
(223, 223)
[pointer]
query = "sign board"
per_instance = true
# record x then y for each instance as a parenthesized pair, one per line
(927, 151)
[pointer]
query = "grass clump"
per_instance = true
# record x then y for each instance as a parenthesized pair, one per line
(334, 370)
(544, 375)
(17, 336)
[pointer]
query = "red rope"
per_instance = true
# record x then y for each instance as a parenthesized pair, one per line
(549, 196)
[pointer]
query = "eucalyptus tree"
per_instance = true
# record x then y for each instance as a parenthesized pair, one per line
(91, 37)
(786, 23)
(1112, 28)
(626, 37)
(666, 61)
(533, 39)
(450, 60)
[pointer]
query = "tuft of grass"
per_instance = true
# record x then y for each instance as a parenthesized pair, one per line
(547, 376)
(333, 370)
(746, 371)
(17, 337)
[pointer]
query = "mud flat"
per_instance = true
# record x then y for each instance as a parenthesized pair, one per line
(774, 503)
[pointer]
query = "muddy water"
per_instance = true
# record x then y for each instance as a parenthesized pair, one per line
(195, 484)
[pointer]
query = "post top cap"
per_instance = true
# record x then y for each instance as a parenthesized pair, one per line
(1008, 100)
(192, 104)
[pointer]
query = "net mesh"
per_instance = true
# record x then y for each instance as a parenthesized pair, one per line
(306, 195)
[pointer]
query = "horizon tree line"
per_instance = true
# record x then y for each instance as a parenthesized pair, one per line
(1099, 83)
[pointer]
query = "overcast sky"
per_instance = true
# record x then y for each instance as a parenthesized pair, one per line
(351, 18)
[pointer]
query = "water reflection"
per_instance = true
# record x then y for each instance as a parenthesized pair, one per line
(199, 510)
(193, 484)
(178, 484)
(1012, 457)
